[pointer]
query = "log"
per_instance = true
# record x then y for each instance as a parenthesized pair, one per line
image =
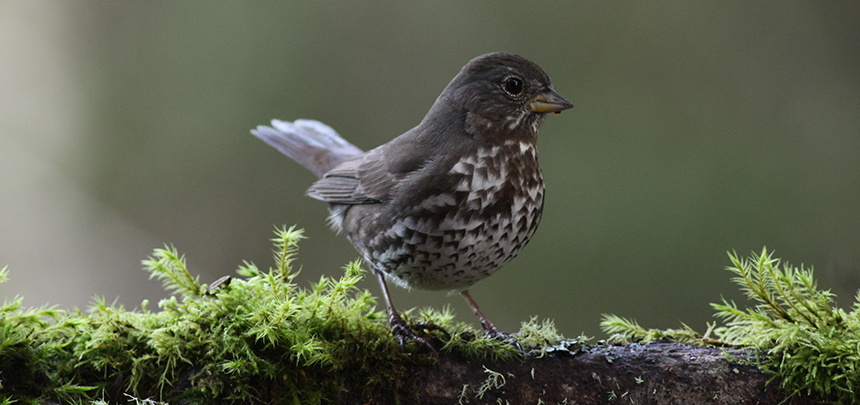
(654, 373)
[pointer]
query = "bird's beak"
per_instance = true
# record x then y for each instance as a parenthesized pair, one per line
(549, 102)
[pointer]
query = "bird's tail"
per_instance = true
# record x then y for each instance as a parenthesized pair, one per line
(315, 145)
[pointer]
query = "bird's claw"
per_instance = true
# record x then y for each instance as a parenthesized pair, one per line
(509, 338)
(432, 327)
(403, 332)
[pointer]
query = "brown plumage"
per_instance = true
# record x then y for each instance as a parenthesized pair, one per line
(450, 201)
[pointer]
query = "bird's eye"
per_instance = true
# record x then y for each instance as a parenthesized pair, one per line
(512, 86)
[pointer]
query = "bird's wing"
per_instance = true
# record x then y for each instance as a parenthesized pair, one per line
(343, 185)
(369, 179)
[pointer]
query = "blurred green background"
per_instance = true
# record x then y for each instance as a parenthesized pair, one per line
(699, 128)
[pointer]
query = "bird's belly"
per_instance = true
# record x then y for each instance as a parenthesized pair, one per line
(466, 246)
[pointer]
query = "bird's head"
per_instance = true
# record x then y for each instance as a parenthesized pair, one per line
(503, 93)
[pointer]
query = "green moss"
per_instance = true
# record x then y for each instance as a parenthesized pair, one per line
(258, 336)
(809, 345)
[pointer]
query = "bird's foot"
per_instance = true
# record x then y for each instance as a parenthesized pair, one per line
(495, 334)
(417, 332)
(432, 327)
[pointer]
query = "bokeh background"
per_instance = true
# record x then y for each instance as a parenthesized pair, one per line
(699, 128)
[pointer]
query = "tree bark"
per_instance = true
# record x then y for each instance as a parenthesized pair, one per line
(653, 373)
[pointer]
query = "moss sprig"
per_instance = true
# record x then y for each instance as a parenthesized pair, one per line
(169, 266)
(810, 345)
(813, 346)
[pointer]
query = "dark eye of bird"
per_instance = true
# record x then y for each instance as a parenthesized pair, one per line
(512, 86)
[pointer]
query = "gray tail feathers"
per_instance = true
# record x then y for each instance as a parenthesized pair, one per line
(313, 144)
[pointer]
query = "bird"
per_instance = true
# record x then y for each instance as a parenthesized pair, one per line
(450, 201)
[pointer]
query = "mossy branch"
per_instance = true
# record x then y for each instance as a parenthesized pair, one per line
(261, 338)
(229, 342)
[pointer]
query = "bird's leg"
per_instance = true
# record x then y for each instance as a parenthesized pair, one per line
(399, 328)
(485, 322)
(488, 326)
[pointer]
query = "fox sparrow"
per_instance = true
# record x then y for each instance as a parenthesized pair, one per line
(450, 201)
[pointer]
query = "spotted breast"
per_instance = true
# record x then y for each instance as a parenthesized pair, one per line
(455, 237)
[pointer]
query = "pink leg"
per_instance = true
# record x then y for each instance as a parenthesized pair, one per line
(488, 326)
